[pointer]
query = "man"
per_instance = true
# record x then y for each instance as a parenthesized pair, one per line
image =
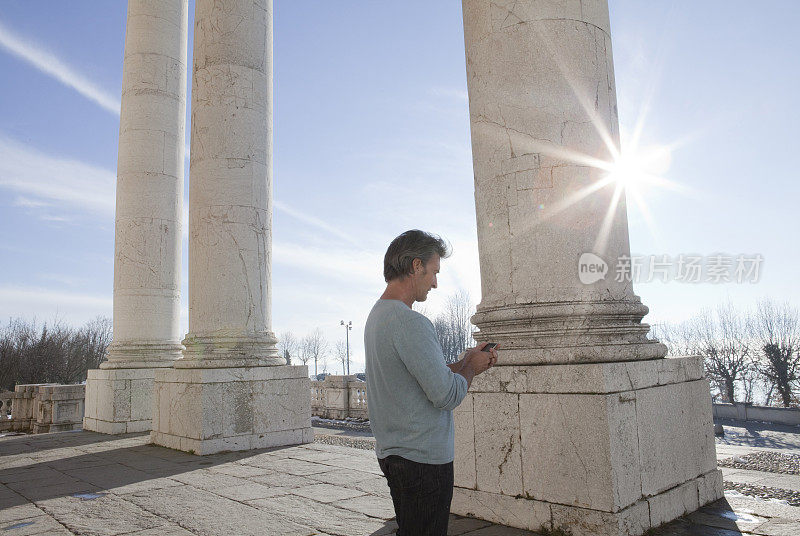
(410, 389)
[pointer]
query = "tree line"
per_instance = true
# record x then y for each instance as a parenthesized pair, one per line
(749, 355)
(50, 353)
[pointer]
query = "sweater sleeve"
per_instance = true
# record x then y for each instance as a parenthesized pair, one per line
(416, 343)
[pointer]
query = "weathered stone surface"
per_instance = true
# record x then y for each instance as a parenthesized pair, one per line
(676, 441)
(498, 450)
(601, 378)
(325, 517)
(464, 464)
(632, 520)
(602, 452)
(203, 512)
(119, 401)
(80, 516)
(497, 508)
(326, 493)
(673, 503)
(371, 505)
(580, 450)
(212, 410)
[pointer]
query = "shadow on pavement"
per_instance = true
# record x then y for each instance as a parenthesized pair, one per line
(99, 466)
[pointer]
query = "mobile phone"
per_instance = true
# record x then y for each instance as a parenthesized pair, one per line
(489, 346)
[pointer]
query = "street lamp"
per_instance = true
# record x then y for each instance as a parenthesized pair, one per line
(347, 327)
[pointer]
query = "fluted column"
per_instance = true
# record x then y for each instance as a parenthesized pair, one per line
(230, 210)
(543, 116)
(582, 423)
(147, 250)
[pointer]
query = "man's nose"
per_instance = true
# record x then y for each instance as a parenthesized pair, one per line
(434, 282)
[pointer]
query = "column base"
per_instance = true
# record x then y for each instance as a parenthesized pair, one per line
(210, 410)
(601, 449)
(637, 518)
(118, 400)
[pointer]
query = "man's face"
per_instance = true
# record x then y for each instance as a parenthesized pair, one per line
(425, 278)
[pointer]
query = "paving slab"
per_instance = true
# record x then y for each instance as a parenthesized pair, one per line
(107, 515)
(205, 513)
(41, 524)
(325, 517)
(318, 489)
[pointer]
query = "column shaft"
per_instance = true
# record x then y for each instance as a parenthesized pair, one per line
(543, 113)
(147, 252)
(230, 213)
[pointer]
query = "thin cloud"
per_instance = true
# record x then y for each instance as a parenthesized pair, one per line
(52, 66)
(313, 221)
(25, 202)
(37, 301)
(43, 179)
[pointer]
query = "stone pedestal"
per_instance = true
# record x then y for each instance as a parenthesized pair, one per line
(231, 390)
(583, 423)
(336, 391)
(604, 448)
(204, 411)
(148, 229)
(59, 408)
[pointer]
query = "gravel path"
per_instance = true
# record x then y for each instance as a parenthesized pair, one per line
(346, 441)
(763, 492)
(771, 462)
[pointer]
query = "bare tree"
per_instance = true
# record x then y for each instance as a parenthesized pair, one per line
(453, 327)
(315, 346)
(287, 345)
(341, 355)
(725, 347)
(777, 330)
(51, 353)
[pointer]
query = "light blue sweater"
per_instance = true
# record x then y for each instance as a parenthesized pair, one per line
(411, 393)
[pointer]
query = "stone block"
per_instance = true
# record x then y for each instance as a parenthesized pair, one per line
(464, 464)
(676, 436)
(673, 503)
(580, 450)
(214, 410)
(503, 509)
(119, 401)
(709, 487)
(498, 450)
(632, 520)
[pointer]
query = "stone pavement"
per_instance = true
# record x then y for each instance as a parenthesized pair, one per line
(93, 484)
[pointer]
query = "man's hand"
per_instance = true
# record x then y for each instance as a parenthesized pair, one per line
(476, 361)
(481, 360)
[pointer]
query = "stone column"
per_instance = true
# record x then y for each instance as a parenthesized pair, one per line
(147, 252)
(583, 423)
(229, 391)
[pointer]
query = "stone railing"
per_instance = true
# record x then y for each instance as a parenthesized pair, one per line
(745, 411)
(42, 407)
(339, 397)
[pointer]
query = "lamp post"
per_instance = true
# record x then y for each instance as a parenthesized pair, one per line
(347, 327)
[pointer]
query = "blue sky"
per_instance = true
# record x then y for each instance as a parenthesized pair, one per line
(372, 138)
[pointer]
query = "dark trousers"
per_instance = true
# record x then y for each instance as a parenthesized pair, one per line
(421, 494)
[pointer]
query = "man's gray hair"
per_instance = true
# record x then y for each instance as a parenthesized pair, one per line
(414, 244)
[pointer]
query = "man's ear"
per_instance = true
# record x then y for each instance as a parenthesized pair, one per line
(417, 265)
